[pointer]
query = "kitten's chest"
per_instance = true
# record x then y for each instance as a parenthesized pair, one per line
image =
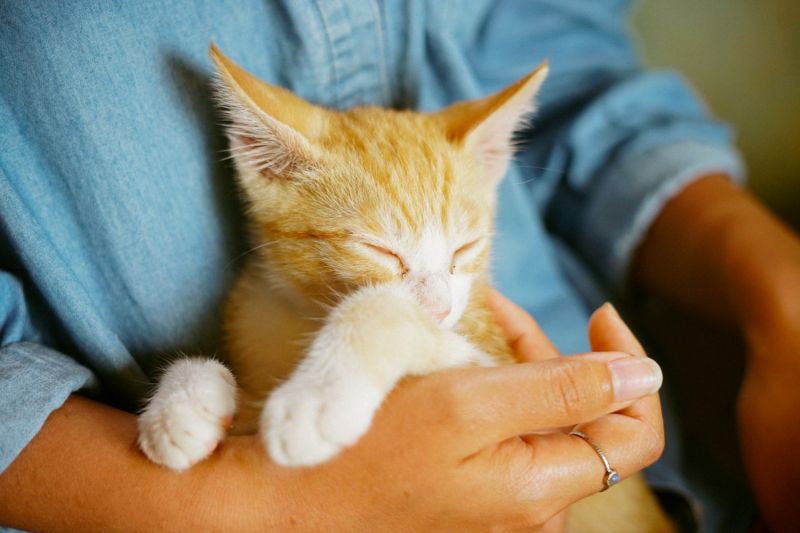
(478, 326)
(265, 337)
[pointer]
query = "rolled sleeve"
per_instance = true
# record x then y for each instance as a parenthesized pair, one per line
(630, 149)
(631, 193)
(35, 381)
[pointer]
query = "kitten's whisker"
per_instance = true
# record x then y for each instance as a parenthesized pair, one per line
(247, 252)
(549, 169)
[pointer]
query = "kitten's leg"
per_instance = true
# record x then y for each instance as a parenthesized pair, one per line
(369, 341)
(188, 415)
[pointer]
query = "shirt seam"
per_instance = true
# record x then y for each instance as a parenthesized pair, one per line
(381, 52)
(331, 52)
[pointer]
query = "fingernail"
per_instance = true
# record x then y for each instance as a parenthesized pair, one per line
(634, 377)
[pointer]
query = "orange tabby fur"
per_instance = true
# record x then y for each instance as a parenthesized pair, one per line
(365, 171)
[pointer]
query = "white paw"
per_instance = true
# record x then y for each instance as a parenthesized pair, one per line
(458, 351)
(187, 416)
(307, 422)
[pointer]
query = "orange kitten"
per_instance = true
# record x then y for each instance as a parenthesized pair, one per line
(371, 231)
(387, 216)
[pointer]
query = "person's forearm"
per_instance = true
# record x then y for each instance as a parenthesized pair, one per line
(468, 470)
(717, 251)
(83, 472)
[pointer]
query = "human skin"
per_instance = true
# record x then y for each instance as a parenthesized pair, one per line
(717, 252)
(468, 469)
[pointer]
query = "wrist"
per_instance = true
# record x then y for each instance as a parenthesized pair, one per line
(239, 489)
(243, 490)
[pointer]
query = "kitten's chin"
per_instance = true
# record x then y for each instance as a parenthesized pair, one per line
(448, 322)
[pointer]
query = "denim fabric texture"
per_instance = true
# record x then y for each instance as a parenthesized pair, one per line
(119, 220)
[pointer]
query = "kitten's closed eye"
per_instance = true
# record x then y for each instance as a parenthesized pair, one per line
(394, 260)
(387, 254)
(465, 253)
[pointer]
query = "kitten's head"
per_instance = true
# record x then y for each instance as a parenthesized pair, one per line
(339, 200)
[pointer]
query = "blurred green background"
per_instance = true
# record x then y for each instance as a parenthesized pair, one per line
(744, 57)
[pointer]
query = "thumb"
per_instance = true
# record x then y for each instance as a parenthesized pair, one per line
(498, 403)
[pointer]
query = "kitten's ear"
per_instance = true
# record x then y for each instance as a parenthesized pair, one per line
(271, 130)
(485, 127)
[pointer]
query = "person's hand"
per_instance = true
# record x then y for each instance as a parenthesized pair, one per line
(454, 449)
(530, 344)
(768, 406)
(459, 449)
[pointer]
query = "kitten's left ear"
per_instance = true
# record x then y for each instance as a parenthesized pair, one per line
(271, 130)
(485, 127)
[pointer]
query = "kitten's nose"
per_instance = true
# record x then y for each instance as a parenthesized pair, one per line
(441, 315)
(433, 293)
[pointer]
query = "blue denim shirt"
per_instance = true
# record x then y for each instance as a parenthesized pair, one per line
(119, 219)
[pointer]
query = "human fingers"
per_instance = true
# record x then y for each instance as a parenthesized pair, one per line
(547, 472)
(488, 405)
(629, 439)
(607, 331)
(565, 468)
(521, 331)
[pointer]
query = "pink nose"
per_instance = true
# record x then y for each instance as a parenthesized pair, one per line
(441, 315)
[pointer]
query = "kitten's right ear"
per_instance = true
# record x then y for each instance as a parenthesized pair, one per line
(271, 130)
(486, 127)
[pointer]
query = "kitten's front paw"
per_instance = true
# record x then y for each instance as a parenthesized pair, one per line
(305, 423)
(189, 413)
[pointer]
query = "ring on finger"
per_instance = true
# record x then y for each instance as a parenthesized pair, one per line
(611, 476)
